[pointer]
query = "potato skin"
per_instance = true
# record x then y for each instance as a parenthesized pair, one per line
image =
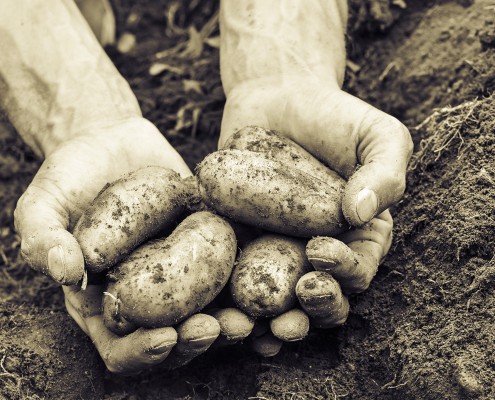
(251, 188)
(266, 273)
(290, 326)
(129, 211)
(277, 147)
(166, 280)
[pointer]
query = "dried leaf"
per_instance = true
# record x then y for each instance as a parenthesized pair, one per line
(126, 43)
(194, 46)
(213, 42)
(192, 85)
(399, 3)
(159, 67)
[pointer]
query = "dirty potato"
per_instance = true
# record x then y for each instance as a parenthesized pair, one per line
(164, 281)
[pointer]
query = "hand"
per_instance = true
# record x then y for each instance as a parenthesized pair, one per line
(142, 348)
(70, 177)
(366, 146)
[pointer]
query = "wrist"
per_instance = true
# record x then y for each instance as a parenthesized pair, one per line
(279, 41)
(53, 85)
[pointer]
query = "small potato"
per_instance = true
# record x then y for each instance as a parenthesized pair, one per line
(265, 276)
(277, 147)
(267, 345)
(164, 281)
(112, 317)
(251, 188)
(290, 326)
(129, 211)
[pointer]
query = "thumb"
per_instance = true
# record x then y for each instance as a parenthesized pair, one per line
(361, 143)
(46, 245)
(383, 150)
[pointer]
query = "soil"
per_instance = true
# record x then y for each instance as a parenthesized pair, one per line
(424, 329)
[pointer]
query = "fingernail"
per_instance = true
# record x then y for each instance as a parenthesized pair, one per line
(367, 204)
(162, 345)
(201, 342)
(56, 263)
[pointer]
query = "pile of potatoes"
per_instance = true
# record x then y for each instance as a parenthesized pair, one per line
(246, 225)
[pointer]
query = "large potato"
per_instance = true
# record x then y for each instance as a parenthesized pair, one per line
(264, 278)
(129, 211)
(277, 147)
(254, 189)
(166, 280)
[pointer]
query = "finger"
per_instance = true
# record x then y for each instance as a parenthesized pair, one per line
(132, 353)
(321, 298)
(46, 245)
(353, 258)
(195, 335)
(73, 306)
(235, 325)
(384, 148)
(291, 326)
(345, 133)
(123, 355)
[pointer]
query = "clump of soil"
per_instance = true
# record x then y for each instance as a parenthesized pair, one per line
(424, 329)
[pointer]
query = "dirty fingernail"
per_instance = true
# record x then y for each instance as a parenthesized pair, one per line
(56, 263)
(161, 345)
(367, 204)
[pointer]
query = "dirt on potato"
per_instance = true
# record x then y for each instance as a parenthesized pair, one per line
(423, 330)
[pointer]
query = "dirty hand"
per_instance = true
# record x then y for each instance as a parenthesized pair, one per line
(367, 147)
(72, 107)
(282, 68)
(70, 177)
(364, 145)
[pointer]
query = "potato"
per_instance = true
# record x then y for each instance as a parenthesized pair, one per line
(129, 211)
(164, 281)
(267, 345)
(277, 147)
(265, 275)
(290, 326)
(112, 317)
(253, 189)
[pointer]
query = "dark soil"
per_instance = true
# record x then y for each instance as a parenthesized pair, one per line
(424, 329)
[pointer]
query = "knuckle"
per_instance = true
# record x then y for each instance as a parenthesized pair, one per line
(110, 363)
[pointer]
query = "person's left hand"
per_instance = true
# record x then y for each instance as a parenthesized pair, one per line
(367, 147)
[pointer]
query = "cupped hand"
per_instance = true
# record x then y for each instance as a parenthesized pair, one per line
(68, 180)
(366, 146)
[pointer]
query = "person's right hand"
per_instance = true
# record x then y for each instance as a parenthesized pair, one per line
(68, 180)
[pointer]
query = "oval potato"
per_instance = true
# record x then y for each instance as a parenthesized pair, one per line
(278, 147)
(290, 326)
(251, 188)
(129, 211)
(266, 273)
(164, 281)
